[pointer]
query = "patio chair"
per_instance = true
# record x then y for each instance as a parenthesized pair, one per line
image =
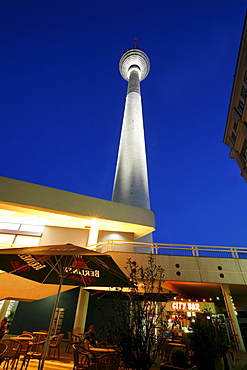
(108, 361)
(12, 354)
(24, 342)
(40, 336)
(3, 348)
(72, 339)
(26, 335)
(82, 360)
(55, 345)
(34, 352)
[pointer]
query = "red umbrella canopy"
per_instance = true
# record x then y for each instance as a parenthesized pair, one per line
(75, 265)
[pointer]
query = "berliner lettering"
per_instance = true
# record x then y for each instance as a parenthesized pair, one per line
(83, 272)
(31, 261)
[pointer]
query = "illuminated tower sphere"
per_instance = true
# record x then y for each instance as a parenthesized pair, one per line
(131, 177)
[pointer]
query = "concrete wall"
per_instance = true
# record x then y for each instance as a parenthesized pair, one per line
(192, 269)
(34, 316)
(114, 235)
(62, 235)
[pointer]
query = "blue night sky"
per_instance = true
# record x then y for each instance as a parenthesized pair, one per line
(62, 101)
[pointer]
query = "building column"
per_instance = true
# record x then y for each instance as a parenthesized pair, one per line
(81, 311)
(83, 297)
(93, 233)
(232, 317)
(4, 308)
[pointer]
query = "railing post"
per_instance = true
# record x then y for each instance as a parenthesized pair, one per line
(234, 253)
(195, 252)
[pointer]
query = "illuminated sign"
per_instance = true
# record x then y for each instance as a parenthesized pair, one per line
(185, 306)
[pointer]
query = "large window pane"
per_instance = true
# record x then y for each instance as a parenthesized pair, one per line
(9, 226)
(32, 228)
(26, 241)
(6, 240)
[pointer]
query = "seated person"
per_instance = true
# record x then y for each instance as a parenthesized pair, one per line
(91, 336)
(109, 338)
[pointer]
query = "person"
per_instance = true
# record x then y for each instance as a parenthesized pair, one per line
(91, 336)
(109, 338)
(3, 327)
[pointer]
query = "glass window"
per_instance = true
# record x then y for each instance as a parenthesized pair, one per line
(241, 106)
(244, 151)
(32, 228)
(9, 226)
(6, 240)
(245, 76)
(233, 137)
(243, 92)
(26, 241)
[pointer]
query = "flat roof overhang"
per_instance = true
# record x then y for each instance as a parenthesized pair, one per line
(54, 207)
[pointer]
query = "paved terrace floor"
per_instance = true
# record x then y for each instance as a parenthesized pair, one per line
(66, 361)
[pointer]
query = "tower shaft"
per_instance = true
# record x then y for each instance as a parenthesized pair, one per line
(131, 177)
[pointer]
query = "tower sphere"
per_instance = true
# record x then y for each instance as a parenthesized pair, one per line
(134, 59)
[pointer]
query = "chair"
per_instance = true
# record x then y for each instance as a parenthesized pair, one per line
(170, 367)
(108, 361)
(55, 345)
(34, 352)
(24, 342)
(26, 335)
(82, 360)
(72, 339)
(12, 354)
(40, 336)
(3, 348)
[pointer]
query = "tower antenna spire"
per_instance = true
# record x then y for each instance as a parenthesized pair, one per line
(135, 43)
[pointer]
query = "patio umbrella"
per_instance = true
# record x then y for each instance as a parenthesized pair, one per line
(62, 264)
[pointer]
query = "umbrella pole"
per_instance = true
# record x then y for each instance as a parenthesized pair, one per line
(47, 342)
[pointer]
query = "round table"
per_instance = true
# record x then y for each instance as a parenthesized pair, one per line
(19, 339)
(40, 335)
(102, 351)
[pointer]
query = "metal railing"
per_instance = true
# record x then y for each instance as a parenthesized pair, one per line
(166, 249)
(171, 249)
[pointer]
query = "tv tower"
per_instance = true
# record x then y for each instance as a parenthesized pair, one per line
(131, 176)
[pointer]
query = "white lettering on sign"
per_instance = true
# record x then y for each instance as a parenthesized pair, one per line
(185, 306)
(83, 272)
(31, 261)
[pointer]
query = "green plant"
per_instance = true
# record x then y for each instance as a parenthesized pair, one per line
(138, 324)
(179, 358)
(208, 338)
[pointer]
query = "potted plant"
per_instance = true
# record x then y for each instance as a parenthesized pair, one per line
(178, 360)
(209, 341)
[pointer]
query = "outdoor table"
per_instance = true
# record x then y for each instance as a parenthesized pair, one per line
(170, 346)
(103, 351)
(21, 338)
(39, 335)
(176, 344)
(25, 342)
